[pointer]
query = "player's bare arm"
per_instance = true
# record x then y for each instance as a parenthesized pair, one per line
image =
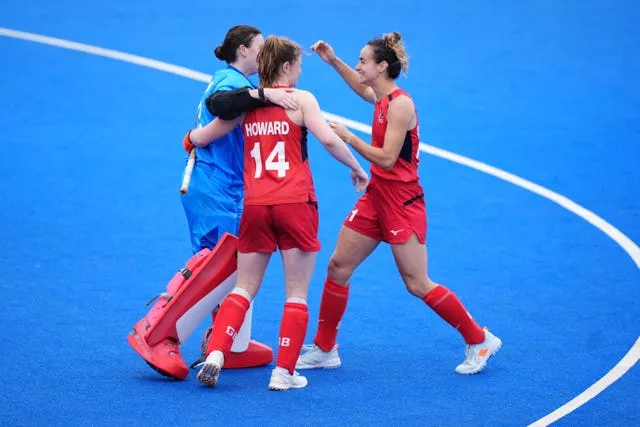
(317, 125)
(401, 115)
(218, 128)
(349, 75)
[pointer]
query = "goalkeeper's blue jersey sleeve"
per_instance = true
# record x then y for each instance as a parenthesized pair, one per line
(224, 156)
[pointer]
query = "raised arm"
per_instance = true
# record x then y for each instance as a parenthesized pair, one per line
(400, 117)
(317, 125)
(230, 104)
(348, 74)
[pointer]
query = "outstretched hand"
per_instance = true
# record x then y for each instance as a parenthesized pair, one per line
(325, 51)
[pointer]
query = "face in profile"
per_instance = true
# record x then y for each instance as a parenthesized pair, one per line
(367, 68)
(293, 70)
(252, 52)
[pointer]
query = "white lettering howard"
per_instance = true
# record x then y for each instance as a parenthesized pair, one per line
(266, 128)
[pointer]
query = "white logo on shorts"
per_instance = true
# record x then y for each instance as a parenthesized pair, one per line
(395, 232)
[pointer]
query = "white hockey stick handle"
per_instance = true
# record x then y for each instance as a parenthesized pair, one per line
(188, 170)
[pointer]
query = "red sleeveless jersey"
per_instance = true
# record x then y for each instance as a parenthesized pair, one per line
(276, 165)
(406, 167)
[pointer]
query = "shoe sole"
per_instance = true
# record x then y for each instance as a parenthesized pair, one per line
(495, 350)
(320, 366)
(208, 375)
(285, 387)
(163, 373)
(132, 339)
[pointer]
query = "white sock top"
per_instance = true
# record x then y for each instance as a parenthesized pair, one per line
(241, 292)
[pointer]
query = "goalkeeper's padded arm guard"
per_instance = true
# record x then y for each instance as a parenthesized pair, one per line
(228, 105)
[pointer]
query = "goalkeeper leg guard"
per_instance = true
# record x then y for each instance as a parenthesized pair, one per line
(191, 295)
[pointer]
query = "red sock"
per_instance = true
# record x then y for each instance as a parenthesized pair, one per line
(293, 328)
(228, 321)
(332, 308)
(447, 305)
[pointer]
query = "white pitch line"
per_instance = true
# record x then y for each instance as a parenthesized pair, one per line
(107, 53)
(621, 368)
(616, 235)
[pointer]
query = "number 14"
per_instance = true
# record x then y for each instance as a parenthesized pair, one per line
(275, 160)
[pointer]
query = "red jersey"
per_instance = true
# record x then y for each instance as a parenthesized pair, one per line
(276, 165)
(406, 167)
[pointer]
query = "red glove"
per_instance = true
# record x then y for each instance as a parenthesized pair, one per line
(186, 143)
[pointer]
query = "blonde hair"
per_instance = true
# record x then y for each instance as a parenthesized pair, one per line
(389, 48)
(275, 52)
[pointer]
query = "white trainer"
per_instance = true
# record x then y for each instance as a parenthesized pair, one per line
(211, 368)
(315, 358)
(477, 355)
(281, 381)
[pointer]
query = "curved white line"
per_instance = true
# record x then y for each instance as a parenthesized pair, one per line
(616, 235)
(621, 368)
(632, 356)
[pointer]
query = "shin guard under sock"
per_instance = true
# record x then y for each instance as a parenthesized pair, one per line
(293, 329)
(447, 305)
(332, 308)
(228, 321)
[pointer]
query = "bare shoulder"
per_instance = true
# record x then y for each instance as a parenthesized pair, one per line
(402, 103)
(307, 100)
(304, 95)
(402, 111)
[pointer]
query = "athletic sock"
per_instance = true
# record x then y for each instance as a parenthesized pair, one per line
(293, 328)
(228, 322)
(332, 308)
(447, 305)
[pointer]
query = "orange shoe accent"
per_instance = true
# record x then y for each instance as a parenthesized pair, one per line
(483, 352)
(257, 354)
(164, 357)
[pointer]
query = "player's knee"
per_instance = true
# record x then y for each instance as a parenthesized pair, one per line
(339, 270)
(416, 285)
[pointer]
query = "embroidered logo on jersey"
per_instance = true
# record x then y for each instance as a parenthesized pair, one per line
(381, 117)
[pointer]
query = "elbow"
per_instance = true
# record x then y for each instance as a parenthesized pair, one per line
(387, 164)
(202, 142)
(196, 139)
(328, 143)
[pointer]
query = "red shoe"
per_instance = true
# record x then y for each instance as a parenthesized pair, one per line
(164, 357)
(257, 354)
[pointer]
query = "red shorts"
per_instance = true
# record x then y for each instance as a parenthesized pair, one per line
(286, 226)
(390, 211)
